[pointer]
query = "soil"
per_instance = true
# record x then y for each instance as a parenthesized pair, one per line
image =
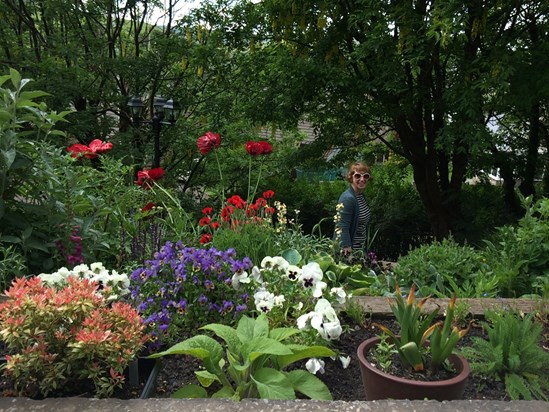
(345, 384)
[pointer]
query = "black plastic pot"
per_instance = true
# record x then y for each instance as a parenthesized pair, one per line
(148, 369)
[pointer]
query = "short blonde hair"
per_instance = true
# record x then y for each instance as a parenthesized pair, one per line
(360, 167)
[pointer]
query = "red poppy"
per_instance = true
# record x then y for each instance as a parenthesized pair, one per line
(226, 213)
(269, 210)
(215, 225)
(205, 238)
(96, 146)
(260, 202)
(205, 221)
(268, 194)
(208, 142)
(207, 211)
(266, 147)
(146, 177)
(237, 201)
(147, 207)
(258, 148)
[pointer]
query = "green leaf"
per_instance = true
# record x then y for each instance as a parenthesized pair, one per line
(224, 393)
(263, 346)
(8, 157)
(190, 391)
(226, 333)
(309, 385)
(248, 328)
(273, 384)
(281, 334)
(307, 352)
(206, 378)
(292, 256)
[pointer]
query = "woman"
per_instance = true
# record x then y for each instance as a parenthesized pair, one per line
(354, 213)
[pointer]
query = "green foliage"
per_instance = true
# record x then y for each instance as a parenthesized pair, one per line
(12, 265)
(255, 362)
(24, 124)
(513, 353)
(444, 268)
(416, 327)
(518, 255)
(383, 353)
(58, 337)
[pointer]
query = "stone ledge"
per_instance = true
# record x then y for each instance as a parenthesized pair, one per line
(257, 405)
(379, 305)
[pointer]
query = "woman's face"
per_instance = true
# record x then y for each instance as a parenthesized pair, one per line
(360, 179)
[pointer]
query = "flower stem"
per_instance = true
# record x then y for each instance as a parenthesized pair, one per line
(220, 176)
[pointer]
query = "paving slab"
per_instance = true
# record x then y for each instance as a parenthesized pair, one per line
(258, 405)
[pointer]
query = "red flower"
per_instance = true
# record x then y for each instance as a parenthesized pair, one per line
(237, 201)
(215, 225)
(268, 194)
(258, 148)
(146, 177)
(205, 238)
(269, 210)
(96, 146)
(205, 221)
(260, 202)
(226, 213)
(207, 211)
(147, 207)
(208, 142)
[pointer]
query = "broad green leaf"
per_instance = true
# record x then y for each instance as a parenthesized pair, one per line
(292, 256)
(31, 95)
(226, 333)
(200, 346)
(309, 385)
(8, 157)
(281, 334)
(190, 391)
(15, 77)
(206, 378)
(273, 384)
(224, 393)
(256, 347)
(249, 328)
(309, 352)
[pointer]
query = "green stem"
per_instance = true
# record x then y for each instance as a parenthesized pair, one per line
(220, 176)
(256, 183)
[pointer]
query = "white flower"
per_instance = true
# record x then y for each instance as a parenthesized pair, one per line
(339, 294)
(345, 361)
(81, 271)
(52, 279)
(293, 272)
(240, 277)
(64, 272)
(279, 300)
(256, 274)
(315, 365)
(97, 267)
(264, 300)
(275, 263)
(324, 319)
(311, 277)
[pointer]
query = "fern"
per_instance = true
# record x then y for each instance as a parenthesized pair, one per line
(513, 354)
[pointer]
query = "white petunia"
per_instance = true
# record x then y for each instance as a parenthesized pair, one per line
(315, 365)
(97, 267)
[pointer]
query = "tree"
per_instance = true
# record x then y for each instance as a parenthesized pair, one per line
(420, 69)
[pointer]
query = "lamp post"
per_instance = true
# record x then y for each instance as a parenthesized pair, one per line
(166, 112)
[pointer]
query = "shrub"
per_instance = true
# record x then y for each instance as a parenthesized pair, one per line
(512, 353)
(444, 268)
(59, 338)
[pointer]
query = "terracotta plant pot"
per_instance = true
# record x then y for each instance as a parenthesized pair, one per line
(381, 385)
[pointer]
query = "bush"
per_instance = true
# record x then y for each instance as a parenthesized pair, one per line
(63, 337)
(444, 268)
(513, 354)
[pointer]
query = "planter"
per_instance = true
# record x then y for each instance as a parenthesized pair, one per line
(141, 369)
(381, 385)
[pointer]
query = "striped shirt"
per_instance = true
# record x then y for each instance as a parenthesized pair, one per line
(362, 225)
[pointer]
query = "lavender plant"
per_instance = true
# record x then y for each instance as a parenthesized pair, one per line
(183, 288)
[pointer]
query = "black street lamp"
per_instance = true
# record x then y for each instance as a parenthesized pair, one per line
(166, 112)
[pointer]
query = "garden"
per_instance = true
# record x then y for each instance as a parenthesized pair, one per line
(233, 299)
(187, 246)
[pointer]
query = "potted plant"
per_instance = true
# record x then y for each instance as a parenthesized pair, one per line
(423, 348)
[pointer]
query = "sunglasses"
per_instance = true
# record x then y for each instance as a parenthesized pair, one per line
(357, 175)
